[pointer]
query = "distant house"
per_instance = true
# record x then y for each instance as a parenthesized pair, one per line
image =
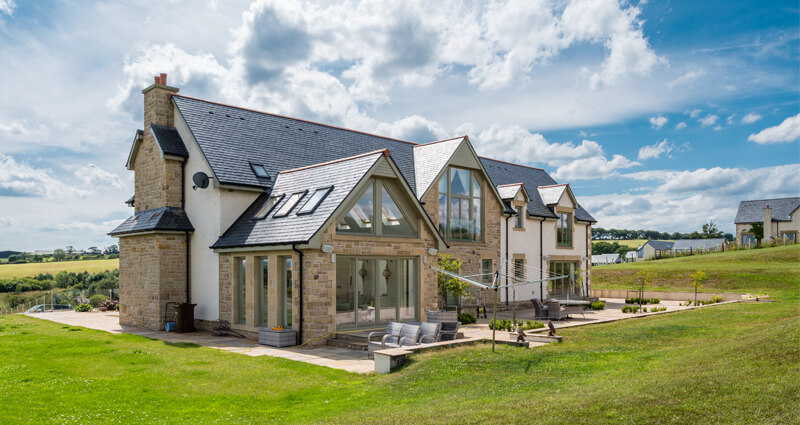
(688, 246)
(631, 256)
(603, 259)
(651, 249)
(781, 214)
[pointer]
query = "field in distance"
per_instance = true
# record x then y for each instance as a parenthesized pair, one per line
(8, 271)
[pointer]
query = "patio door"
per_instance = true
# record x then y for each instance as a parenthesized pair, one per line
(371, 290)
(566, 287)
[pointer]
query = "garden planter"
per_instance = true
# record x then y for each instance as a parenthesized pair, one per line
(281, 338)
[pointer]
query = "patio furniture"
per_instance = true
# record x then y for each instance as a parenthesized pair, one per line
(574, 309)
(429, 331)
(449, 331)
(409, 334)
(539, 308)
(555, 311)
(393, 328)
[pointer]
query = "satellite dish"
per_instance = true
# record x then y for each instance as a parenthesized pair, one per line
(200, 180)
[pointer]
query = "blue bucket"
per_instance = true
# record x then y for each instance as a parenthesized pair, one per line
(170, 327)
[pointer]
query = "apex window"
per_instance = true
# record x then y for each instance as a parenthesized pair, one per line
(460, 205)
(564, 229)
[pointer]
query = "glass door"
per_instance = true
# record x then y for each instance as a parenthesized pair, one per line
(365, 291)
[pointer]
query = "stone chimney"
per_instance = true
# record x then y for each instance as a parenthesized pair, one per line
(157, 179)
(767, 224)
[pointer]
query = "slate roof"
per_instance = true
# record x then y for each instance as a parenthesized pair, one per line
(163, 219)
(508, 191)
(551, 194)
(605, 258)
(694, 244)
(430, 158)
(502, 172)
(169, 140)
(753, 211)
(343, 175)
(659, 245)
(231, 138)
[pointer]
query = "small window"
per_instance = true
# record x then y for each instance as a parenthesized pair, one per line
(268, 206)
(314, 200)
(259, 170)
(287, 206)
(519, 220)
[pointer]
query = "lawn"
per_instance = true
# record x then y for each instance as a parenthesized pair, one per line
(8, 271)
(733, 363)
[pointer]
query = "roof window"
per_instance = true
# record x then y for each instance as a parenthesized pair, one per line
(259, 170)
(314, 200)
(268, 206)
(290, 203)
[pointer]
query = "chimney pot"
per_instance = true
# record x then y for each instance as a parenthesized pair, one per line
(163, 78)
(156, 79)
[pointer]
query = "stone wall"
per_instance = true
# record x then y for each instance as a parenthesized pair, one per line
(151, 273)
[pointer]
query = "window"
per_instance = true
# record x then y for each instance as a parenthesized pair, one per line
(519, 220)
(268, 206)
(263, 319)
(286, 284)
(460, 205)
(287, 206)
(314, 200)
(361, 217)
(241, 290)
(486, 271)
(564, 229)
(748, 239)
(519, 269)
(788, 237)
(259, 170)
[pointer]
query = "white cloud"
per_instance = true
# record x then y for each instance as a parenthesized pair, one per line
(7, 222)
(785, 132)
(708, 120)
(514, 143)
(7, 7)
(680, 126)
(750, 118)
(20, 179)
(658, 122)
(81, 226)
(694, 113)
(414, 129)
(686, 78)
(93, 176)
(730, 119)
(656, 150)
(598, 167)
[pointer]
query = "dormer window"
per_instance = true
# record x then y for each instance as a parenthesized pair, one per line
(259, 170)
(564, 230)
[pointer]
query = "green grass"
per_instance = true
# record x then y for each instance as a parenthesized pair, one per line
(733, 363)
(9, 271)
(633, 243)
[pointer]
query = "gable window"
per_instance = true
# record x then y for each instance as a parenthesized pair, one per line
(376, 201)
(519, 220)
(268, 206)
(314, 200)
(460, 205)
(564, 229)
(287, 206)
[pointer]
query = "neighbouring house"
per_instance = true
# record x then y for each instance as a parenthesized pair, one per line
(264, 220)
(657, 249)
(604, 259)
(652, 249)
(781, 218)
(631, 256)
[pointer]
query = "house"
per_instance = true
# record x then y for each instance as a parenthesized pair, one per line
(603, 259)
(652, 249)
(781, 214)
(631, 256)
(264, 220)
(690, 246)
(547, 239)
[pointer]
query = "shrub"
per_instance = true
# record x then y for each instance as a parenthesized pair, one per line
(598, 305)
(108, 305)
(630, 309)
(716, 299)
(657, 309)
(96, 299)
(467, 318)
(83, 308)
(635, 300)
(532, 324)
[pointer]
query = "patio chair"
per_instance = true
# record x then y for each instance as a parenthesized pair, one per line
(392, 329)
(449, 331)
(429, 332)
(539, 308)
(555, 311)
(409, 334)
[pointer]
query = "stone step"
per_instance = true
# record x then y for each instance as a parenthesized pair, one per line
(350, 345)
(354, 337)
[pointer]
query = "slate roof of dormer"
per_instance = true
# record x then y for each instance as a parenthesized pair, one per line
(552, 194)
(156, 219)
(169, 140)
(753, 211)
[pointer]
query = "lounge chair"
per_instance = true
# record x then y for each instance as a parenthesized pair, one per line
(393, 328)
(540, 309)
(555, 311)
(449, 331)
(409, 334)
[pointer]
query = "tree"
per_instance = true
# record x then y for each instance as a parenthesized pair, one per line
(59, 255)
(70, 250)
(448, 284)
(63, 279)
(698, 278)
(758, 232)
(112, 249)
(710, 230)
(645, 278)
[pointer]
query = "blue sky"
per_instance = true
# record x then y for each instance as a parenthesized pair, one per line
(661, 115)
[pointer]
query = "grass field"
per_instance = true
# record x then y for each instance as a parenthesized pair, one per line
(632, 243)
(734, 363)
(8, 271)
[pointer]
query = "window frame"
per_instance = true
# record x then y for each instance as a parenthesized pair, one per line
(519, 220)
(264, 211)
(569, 231)
(376, 229)
(286, 202)
(255, 166)
(327, 189)
(447, 176)
(240, 291)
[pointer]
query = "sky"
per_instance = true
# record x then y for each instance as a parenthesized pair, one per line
(661, 115)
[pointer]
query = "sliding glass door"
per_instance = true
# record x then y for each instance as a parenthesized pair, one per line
(567, 286)
(375, 290)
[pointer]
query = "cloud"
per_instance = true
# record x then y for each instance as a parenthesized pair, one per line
(730, 119)
(708, 120)
(658, 122)
(694, 113)
(686, 78)
(680, 126)
(413, 129)
(7, 7)
(93, 176)
(750, 118)
(101, 228)
(512, 143)
(656, 150)
(785, 132)
(7, 222)
(23, 180)
(593, 168)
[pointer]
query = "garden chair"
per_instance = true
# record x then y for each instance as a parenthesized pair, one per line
(539, 308)
(555, 311)
(449, 331)
(429, 332)
(409, 334)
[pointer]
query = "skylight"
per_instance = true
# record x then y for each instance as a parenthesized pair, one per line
(313, 202)
(268, 206)
(287, 206)
(259, 170)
